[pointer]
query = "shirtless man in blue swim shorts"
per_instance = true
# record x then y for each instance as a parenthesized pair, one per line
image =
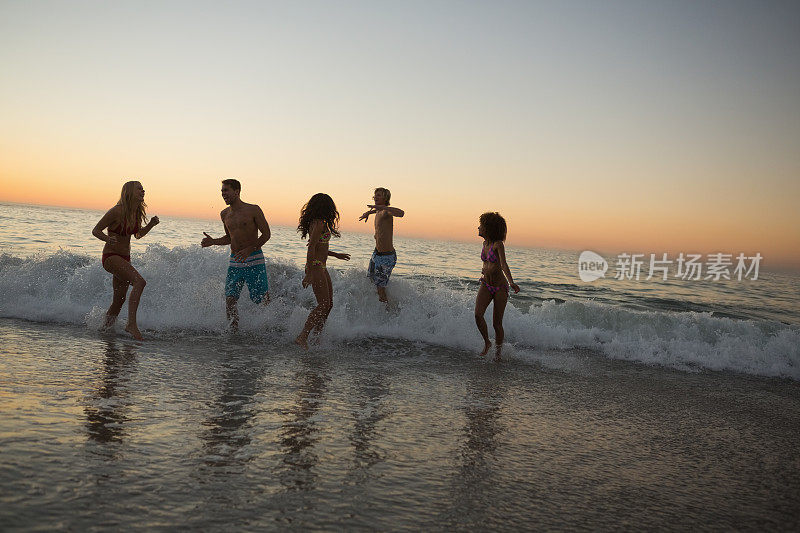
(242, 223)
(384, 257)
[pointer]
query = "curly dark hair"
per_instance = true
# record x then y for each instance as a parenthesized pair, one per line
(494, 225)
(319, 207)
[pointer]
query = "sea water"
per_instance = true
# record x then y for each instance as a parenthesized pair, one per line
(617, 404)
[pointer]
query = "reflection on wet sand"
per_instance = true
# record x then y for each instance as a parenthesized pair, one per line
(483, 427)
(106, 409)
(299, 431)
(369, 411)
(230, 421)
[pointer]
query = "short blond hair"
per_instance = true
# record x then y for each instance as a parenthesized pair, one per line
(386, 193)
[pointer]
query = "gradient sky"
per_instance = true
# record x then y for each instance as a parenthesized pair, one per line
(614, 126)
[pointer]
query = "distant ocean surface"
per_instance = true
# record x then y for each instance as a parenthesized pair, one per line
(618, 405)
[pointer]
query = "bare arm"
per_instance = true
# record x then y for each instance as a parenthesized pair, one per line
(211, 241)
(344, 257)
(263, 227)
(366, 215)
(106, 221)
(394, 211)
(145, 230)
(501, 255)
(314, 233)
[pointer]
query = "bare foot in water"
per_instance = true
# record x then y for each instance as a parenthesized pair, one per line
(486, 349)
(109, 323)
(303, 343)
(133, 330)
(497, 353)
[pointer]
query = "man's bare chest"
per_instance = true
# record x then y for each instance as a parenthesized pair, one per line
(383, 222)
(239, 222)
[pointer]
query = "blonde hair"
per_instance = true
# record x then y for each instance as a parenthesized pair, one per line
(134, 213)
(385, 192)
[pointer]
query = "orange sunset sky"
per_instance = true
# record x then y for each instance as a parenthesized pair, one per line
(611, 126)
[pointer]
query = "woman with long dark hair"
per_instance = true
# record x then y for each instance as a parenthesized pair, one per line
(319, 219)
(128, 217)
(495, 280)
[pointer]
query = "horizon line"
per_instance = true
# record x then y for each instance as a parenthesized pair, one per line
(774, 266)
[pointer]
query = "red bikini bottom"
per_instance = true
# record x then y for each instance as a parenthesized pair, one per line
(106, 256)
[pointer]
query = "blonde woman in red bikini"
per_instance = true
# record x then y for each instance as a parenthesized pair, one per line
(495, 280)
(128, 217)
(318, 220)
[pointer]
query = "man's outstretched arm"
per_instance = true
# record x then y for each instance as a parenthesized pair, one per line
(208, 240)
(366, 215)
(394, 211)
(211, 241)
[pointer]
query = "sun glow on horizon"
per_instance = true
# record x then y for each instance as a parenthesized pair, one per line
(583, 130)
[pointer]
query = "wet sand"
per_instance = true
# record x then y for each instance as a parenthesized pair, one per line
(98, 431)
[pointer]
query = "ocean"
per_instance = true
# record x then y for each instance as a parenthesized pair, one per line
(619, 404)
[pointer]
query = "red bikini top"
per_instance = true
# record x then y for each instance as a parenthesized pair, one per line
(123, 230)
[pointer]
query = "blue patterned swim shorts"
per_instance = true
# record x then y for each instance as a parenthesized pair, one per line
(252, 271)
(380, 267)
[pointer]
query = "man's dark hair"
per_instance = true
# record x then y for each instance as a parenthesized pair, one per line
(495, 226)
(233, 184)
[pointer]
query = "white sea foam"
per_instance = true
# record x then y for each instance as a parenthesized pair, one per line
(184, 297)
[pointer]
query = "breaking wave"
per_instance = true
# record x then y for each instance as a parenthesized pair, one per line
(184, 297)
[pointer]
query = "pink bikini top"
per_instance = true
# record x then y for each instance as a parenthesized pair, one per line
(489, 256)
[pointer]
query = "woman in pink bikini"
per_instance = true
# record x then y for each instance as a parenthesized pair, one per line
(318, 220)
(495, 280)
(126, 218)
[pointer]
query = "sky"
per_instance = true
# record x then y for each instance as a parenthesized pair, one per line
(612, 126)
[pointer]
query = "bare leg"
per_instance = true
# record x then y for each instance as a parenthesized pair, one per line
(382, 294)
(232, 313)
(320, 282)
(500, 301)
(481, 303)
(327, 311)
(120, 291)
(125, 271)
(318, 327)
(133, 307)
